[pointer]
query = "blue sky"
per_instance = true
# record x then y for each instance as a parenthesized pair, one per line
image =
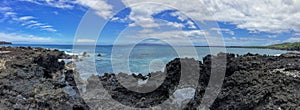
(255, 22)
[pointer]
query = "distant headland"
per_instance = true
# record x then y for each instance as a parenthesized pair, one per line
(4, 43)
(283, 46)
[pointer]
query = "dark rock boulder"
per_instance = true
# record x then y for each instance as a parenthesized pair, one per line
(50, 64)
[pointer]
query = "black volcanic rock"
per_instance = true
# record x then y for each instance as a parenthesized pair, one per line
(34, 79)
(251, 81)
(50, 63)
(144, 100)
(255, 81)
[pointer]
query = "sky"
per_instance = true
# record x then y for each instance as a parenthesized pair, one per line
(234, 22)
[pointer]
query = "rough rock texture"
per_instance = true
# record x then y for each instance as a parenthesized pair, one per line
(255, 82)
(148, 99)
(34, 79)
(251, 81)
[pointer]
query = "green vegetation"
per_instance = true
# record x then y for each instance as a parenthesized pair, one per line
(286, 46)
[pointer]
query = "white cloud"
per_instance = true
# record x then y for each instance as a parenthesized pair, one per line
(293, 39)
(175, 24)
(67, 4)
(55, 12)
(115, 19)
(249, 41)
(191, 24)
(197, 37)
(101, 7)
(28, 22)
(297, 34)
(146, 31)
(121, 20)
(7, 13)
(174, 36)
(141, 15)
(23, 38)
(272, 36)
(274, 16)
(36, 24)
(179, 15)
(25, 18)
(225, 30)
(48, 28)
(5, 9)
(86, 41)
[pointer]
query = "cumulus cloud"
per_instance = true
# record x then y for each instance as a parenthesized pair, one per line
(141, 15)
(274, 16)
(101, 7)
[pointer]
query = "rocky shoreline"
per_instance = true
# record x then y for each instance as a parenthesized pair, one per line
(34, 78)
(251, 81)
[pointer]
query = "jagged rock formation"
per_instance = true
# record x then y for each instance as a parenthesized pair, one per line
(34, 79)
(251, 81)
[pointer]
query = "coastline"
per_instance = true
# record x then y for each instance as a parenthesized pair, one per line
(250, 80)
(35, 78)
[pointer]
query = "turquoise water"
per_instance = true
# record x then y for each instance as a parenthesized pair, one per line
(143, 58)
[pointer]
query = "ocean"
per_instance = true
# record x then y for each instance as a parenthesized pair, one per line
(141, 58)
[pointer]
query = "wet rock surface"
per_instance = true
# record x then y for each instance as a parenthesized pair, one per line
(34, 79)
